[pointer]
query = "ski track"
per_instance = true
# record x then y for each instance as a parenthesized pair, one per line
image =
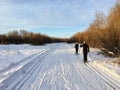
(59, 69)
(14, 67)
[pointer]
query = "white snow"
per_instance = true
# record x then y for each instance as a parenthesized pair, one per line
(55, 67)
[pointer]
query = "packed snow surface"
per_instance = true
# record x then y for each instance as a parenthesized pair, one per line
(55, 67)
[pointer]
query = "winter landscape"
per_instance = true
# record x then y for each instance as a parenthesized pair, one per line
(59, 44)
(55, 67)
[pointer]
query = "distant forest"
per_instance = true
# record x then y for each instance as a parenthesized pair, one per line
(25, 37)
(103, 32)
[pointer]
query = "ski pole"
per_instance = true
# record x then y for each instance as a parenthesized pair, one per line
(91, 56)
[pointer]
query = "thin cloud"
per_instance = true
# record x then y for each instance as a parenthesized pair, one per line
(31, 14)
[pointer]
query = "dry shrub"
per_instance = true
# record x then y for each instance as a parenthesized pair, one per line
(117, 61)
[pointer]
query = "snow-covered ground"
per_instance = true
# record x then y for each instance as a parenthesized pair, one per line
(55, 67)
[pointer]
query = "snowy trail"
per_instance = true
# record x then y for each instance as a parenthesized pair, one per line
(14, 67)
(60, 69)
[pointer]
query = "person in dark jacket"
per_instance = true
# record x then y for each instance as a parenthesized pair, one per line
(85, 51)
(76, 47)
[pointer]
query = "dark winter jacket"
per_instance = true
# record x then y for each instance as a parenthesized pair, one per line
(85, 48)
(76, 46)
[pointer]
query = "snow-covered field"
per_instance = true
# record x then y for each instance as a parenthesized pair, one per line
(55, 67)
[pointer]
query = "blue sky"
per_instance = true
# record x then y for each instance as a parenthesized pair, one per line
(59, 18)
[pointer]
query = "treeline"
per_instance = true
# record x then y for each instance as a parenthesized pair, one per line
(104, 31)
(23, 36)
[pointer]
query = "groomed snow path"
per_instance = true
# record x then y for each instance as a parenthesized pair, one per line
(59, 68)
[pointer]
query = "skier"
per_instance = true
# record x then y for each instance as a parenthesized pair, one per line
(76, 47)
(85, 51)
